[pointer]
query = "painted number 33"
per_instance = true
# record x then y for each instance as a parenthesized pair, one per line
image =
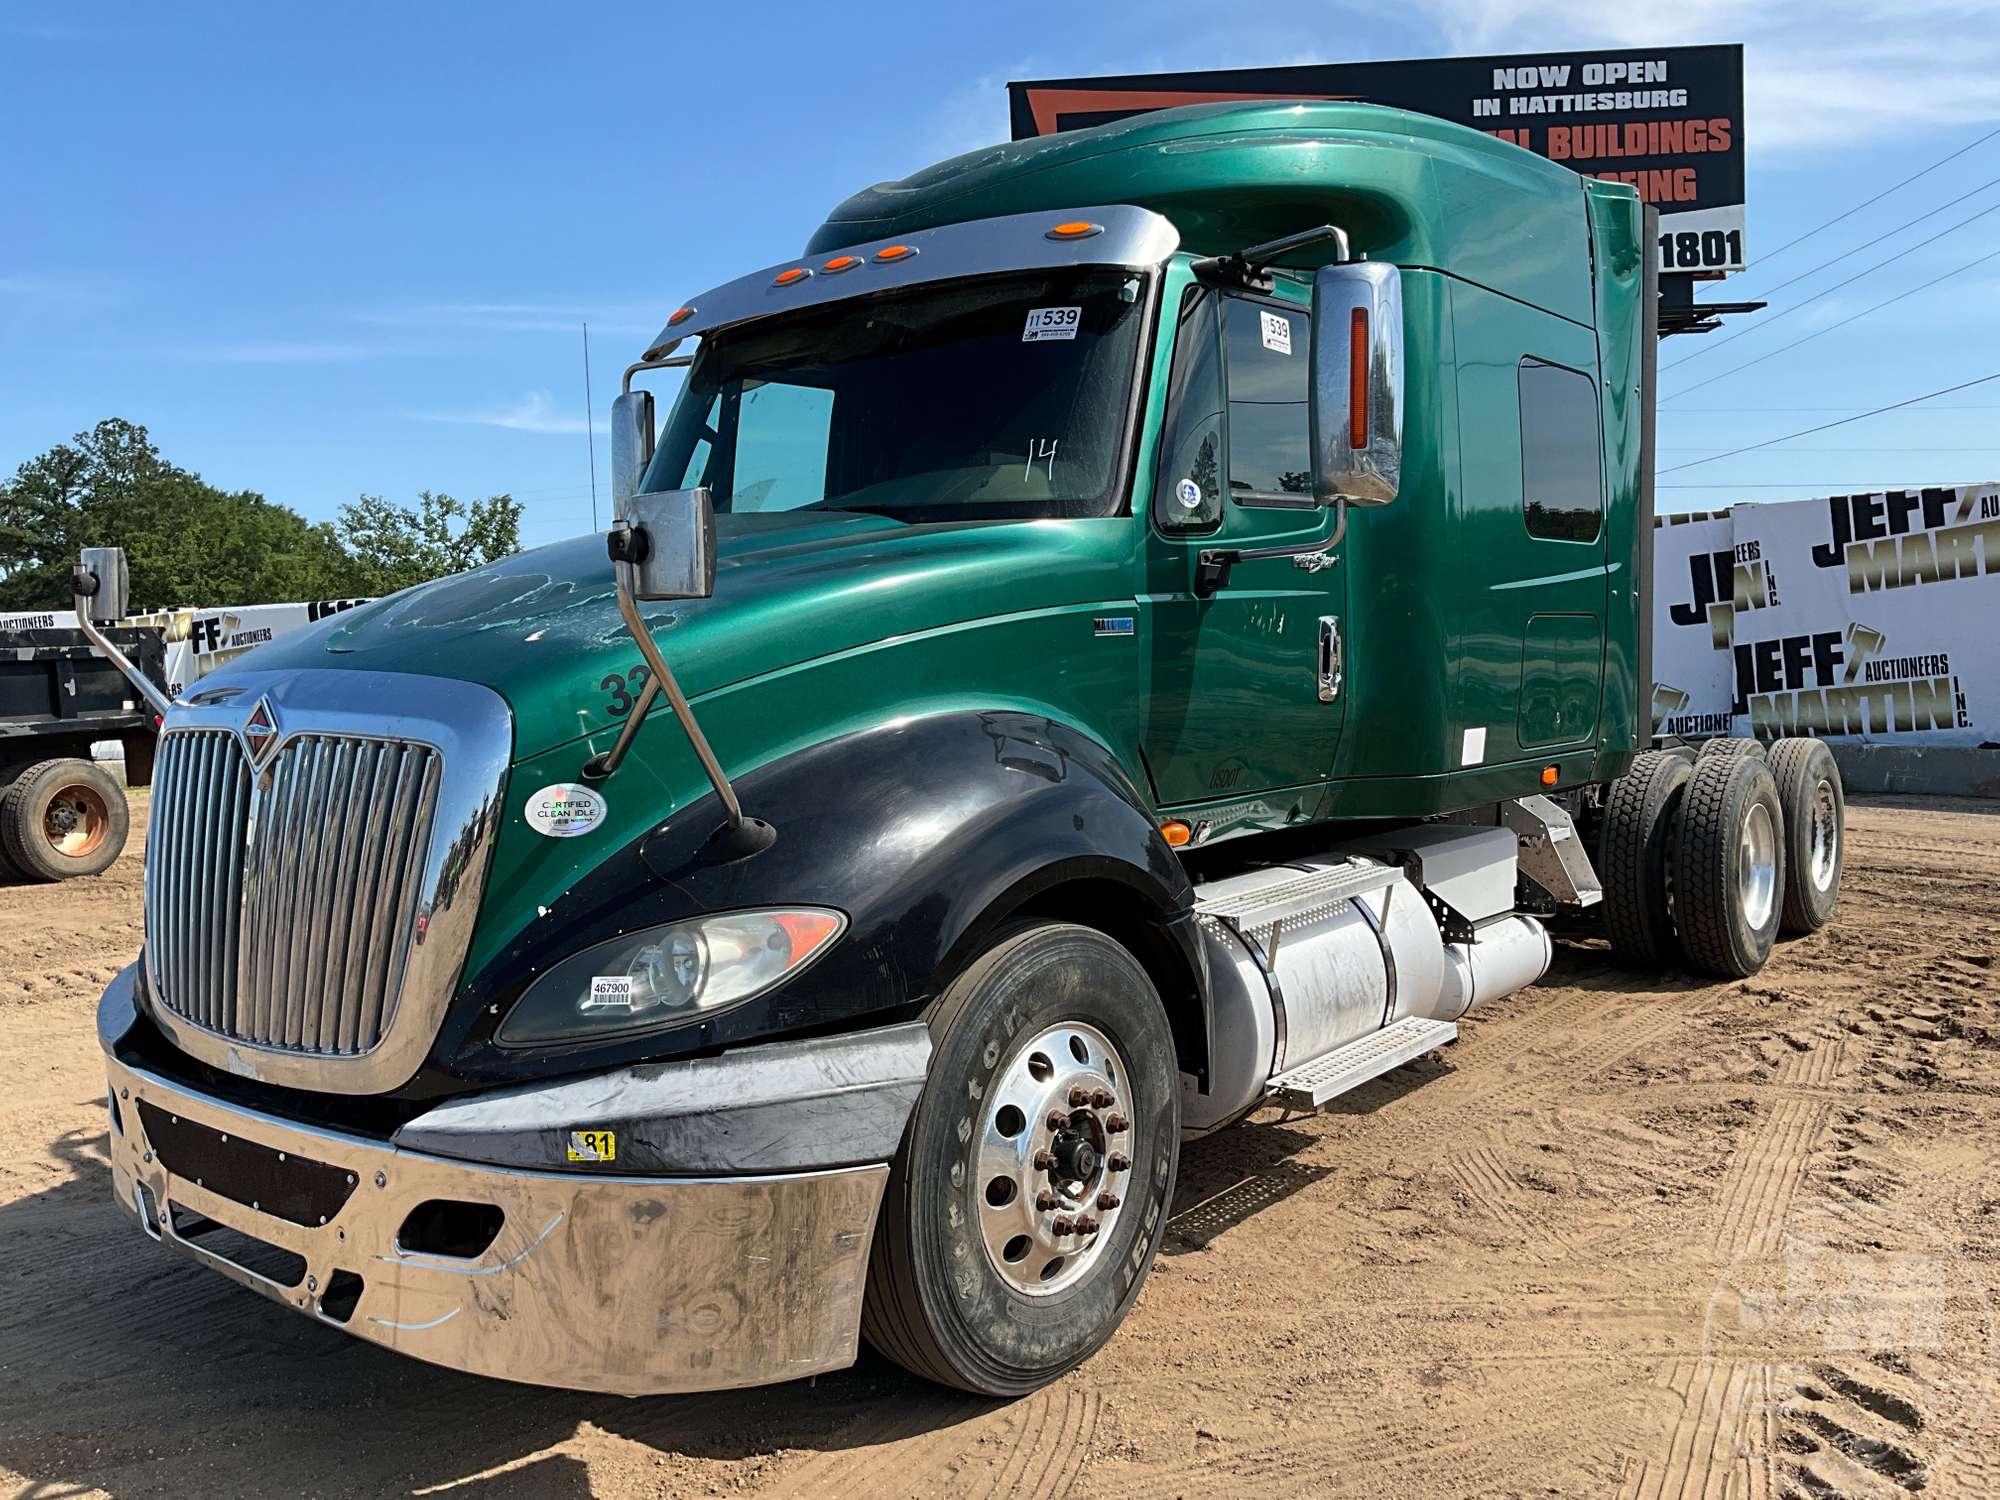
(624, 688)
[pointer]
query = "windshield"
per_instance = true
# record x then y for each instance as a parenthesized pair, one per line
(1006, 397)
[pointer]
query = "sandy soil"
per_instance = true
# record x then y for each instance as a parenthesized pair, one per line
(1629, 1236)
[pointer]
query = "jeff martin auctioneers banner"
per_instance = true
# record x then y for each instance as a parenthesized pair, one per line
(1862, 618)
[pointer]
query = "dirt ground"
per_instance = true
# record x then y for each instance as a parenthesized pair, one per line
(1627, 1237)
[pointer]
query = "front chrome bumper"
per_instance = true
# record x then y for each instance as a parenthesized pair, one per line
(634, 1285)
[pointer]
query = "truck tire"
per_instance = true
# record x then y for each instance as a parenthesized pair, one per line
(63, 818)
(1020, 1223)
(1727, 863)
(1815, 831)
(1710, 748)
(1636, 827)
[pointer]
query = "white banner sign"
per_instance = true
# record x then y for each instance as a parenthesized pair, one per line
(1857, 618)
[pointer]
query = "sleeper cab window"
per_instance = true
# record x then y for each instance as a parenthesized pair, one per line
(1562, 467)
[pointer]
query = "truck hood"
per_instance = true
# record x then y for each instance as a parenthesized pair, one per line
(542, 628)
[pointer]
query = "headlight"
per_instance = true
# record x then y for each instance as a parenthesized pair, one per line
(661, 976)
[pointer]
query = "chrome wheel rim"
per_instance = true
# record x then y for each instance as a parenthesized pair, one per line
(1757, 866)
(1051, 1158)
(1825, 836)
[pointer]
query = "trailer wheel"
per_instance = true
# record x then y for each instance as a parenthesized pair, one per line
(1815, 831)
(1727, 863)
(1030, 1194)
(63, 818)
(1636, 827)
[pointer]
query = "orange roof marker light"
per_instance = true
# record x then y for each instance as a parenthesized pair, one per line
(895, 252)
(791, 277)
(841, 263)
(680, 315)
(1176, 833)
(1075, 229)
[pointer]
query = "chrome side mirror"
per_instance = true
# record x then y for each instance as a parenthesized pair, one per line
(1356, 410)
(662, 544)
(631, 444)
(101, 585)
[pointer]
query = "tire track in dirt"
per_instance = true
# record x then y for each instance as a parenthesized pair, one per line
(1713, 1450)
(1764, 1175)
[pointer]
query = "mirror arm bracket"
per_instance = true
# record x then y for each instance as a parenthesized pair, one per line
(1250, 266)
(83, 588)
(1212, 565)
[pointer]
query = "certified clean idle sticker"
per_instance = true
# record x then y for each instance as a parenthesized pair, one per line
(1277, 331)
(564, 810)
(1045, 323)
(1189, 494)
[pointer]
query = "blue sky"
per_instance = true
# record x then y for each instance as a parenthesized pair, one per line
(328, 251)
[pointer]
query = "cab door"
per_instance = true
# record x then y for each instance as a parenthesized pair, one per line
(1243, 702)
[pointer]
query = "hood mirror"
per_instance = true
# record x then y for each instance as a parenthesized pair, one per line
(662, 545)
(1356, 411)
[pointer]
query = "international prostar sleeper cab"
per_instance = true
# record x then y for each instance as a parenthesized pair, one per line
(1150, 624)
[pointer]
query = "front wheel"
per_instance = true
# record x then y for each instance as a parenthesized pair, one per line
(1030, 1194)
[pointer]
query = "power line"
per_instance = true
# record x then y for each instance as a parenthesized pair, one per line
(1906, 224)
(1732, 410)
(1852, 317)
(1825, 426)
(1931, 448)
(1844, 485)
(1850, 213)
(1829, 291)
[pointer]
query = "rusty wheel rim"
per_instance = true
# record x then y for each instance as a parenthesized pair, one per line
(77, 821)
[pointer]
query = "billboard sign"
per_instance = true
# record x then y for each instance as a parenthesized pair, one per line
(1667, 120)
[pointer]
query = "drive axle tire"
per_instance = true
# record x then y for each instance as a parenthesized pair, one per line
(1727, 864)
(1635, 830)
(63, 818)
(1815, 831)
(1030, 1193)
(1709, 748)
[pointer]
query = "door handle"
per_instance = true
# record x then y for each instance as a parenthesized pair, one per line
(1331, 661)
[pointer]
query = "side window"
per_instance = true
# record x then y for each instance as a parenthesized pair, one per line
(781, 446)
(1562, 471)
(1187, 490)
(1268, 349)
(696, 473)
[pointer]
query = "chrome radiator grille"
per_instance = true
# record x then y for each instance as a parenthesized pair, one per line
(282, 907)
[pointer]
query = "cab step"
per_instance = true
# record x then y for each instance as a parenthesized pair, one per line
(1312, 1084)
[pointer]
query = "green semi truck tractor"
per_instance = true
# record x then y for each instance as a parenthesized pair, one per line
(1128, 628)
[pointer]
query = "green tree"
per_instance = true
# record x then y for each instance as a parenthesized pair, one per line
(188, 542)
(396, 546)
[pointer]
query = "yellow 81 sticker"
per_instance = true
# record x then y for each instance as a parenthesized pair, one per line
(593, 1145)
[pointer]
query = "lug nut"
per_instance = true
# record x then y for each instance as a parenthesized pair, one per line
(1078, 1096)
(1058, 1120)
(1086, 1225)
(1118, 1161)
(1064, 1225)
(1116, 1124)
(1107, 1201)
(1047, 1202)
(1103, 1099)
(1044, 1161)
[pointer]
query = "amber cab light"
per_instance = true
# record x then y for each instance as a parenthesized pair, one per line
(680, 315)
(841, 263)
(1357, 380)
(1075, 229)
(1176, 833)
(1549, 775)
(791, 277)
(895, 252)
